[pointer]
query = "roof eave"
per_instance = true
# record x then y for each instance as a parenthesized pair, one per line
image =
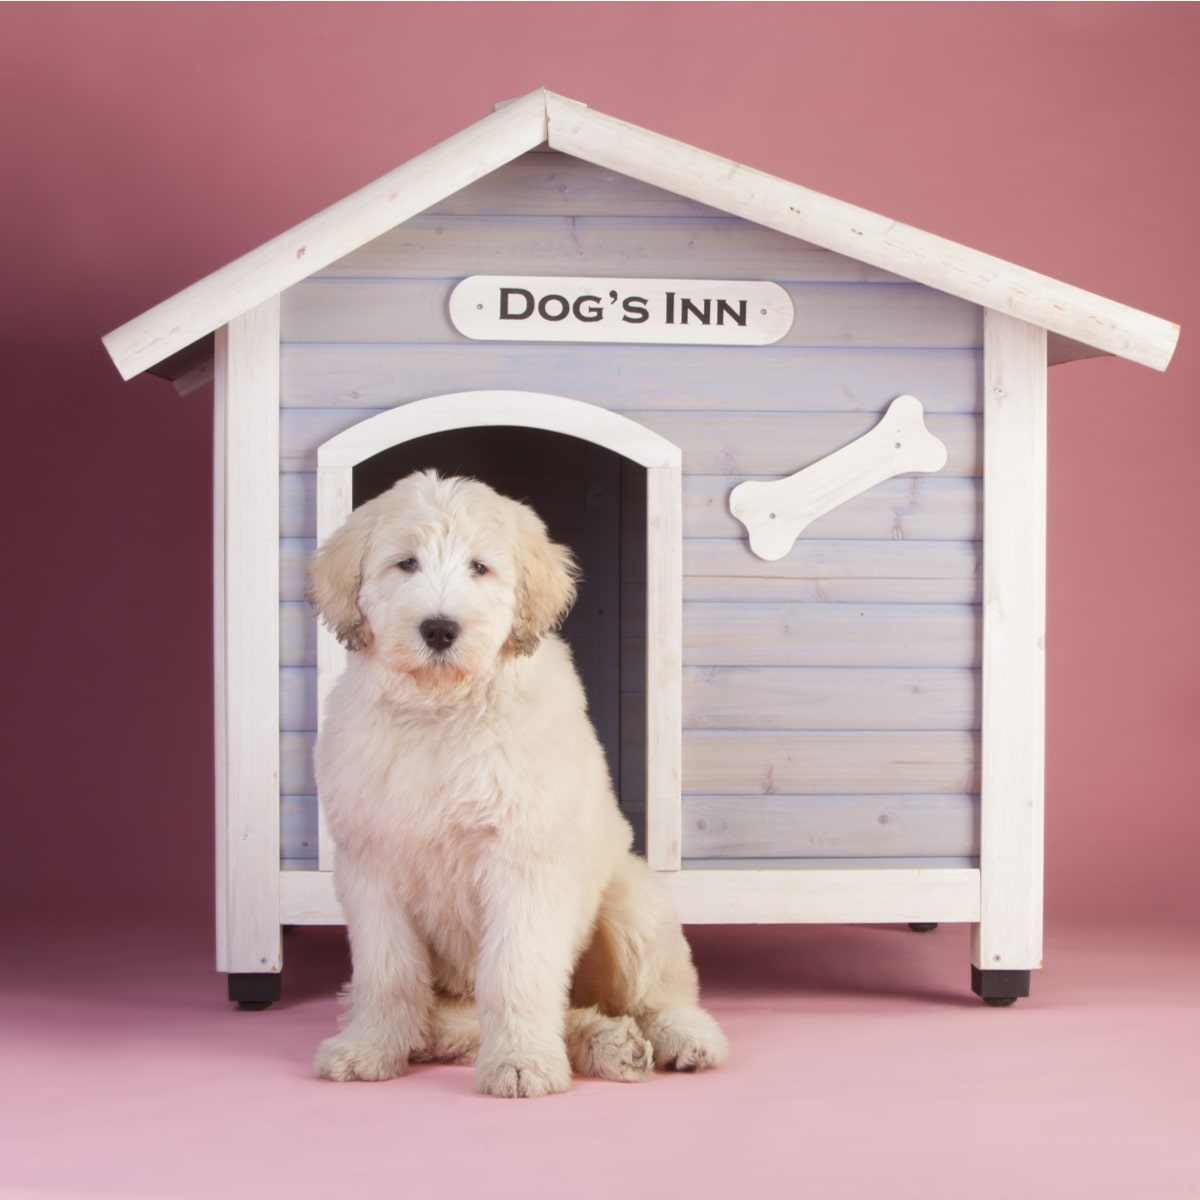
(1075, 314)
(205, 306)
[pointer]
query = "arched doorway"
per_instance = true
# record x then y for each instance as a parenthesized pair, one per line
(606, 486)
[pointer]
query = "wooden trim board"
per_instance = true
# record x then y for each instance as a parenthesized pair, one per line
(739, 896)
(246, 606)
(1009, 933)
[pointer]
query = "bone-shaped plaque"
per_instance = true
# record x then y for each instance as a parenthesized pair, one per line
(775, 513)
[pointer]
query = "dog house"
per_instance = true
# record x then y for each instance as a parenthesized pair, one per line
(799, 449)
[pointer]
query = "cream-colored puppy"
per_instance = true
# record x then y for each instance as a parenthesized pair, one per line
(481, 855)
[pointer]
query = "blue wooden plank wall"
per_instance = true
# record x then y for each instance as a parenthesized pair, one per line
(831, 700)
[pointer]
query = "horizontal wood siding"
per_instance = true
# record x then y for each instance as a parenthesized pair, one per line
(706, 247)
(831, 699)
(833, 314)
(831, 827)
(787, 379)
(733, 444)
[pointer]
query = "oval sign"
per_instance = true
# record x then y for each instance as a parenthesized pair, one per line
(536, 308)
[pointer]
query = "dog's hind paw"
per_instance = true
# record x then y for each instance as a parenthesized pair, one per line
(343, 1059)
(453, 1035)
(686, 1039)
(522, 1075)
(608, 1047)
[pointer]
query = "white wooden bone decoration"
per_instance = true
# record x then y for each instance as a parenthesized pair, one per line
(775, 513)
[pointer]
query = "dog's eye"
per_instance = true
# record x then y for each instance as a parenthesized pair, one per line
(409, 565)
(478, 568)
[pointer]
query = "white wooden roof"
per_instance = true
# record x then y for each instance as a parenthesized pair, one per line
(1080, 323)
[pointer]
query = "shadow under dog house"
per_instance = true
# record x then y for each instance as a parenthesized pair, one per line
(800, 450)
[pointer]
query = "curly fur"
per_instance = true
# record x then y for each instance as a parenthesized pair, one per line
(496, 914)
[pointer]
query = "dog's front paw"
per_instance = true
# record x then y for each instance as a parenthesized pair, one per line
(343, 1058)
(686, 1039)
(609, 1047)
(518, 1075)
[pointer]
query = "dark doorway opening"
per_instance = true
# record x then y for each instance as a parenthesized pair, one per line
(594, 501)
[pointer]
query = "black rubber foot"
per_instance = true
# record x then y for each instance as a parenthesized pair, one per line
(256, 991)
(922, 926)
(999, 988)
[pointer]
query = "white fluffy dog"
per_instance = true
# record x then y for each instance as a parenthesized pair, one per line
(495, 911)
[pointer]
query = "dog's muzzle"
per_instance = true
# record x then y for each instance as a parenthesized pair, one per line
(439, 633)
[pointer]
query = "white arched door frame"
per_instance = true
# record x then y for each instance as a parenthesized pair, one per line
(338, 457)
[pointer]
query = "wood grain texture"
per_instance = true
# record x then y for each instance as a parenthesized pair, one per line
(546, 182)
(807, 894)
(826, 896)
(246, 572)
(711, 246)
(630, 379)
(298, 831)
(910, 509)
(1009, 935)
(732, 444)
(831, 827)
(663, 665)
(844, 572)
(743, 634)
(830, 763)
(827, 698)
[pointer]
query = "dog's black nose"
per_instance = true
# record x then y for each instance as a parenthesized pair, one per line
(439, 632)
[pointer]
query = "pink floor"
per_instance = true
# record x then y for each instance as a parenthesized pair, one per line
(862, 1067)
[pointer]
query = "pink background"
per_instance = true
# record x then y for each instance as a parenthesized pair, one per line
(146, 145)
(142, 146)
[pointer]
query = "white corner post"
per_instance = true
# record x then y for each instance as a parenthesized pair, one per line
(1008, 936)
(246, 641)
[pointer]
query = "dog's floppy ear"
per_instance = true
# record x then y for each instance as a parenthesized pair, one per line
(546, 583)
(335, 575)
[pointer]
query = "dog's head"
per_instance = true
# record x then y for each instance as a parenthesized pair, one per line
(441, 577)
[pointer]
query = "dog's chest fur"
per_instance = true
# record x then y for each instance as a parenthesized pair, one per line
(426, 781)
(434, 796)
